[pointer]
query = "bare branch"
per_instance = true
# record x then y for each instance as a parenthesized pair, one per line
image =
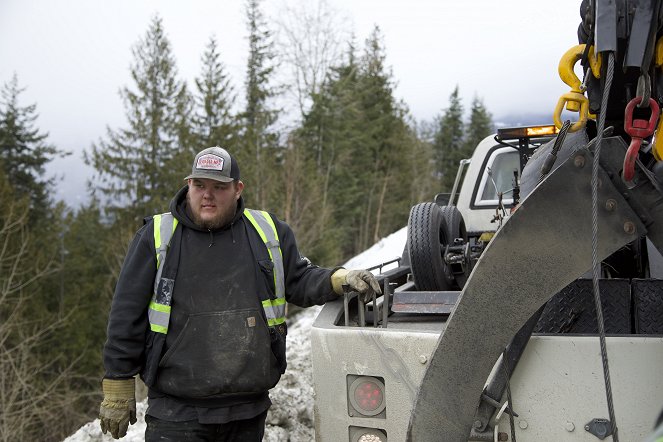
(310, 37)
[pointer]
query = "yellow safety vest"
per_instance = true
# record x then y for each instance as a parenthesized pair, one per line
(164, 228)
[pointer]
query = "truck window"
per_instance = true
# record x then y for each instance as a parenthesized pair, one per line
(498, 177)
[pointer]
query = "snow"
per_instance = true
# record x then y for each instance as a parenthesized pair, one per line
(385, 250)
(291, 416)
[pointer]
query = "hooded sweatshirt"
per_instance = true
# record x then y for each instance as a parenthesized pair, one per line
(217, 352)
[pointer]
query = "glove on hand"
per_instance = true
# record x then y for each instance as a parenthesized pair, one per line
(118, 409)
(361, 281)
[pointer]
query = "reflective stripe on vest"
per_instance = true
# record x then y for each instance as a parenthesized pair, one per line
(264, 225)
(159, 310)
(164, 227)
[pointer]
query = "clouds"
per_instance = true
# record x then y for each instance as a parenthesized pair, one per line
(76, 53)
(73, 56)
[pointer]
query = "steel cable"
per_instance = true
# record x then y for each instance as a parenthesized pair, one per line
(596, 265)
(552, 156)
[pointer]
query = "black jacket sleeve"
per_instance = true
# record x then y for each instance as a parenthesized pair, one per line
(305, 284)
(123, 352)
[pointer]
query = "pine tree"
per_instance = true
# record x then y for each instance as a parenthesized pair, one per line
(423, 182)
(334, 131)
(448, 141)
(138, 168)
(215, 124)
(24, 151)
(478, 128)
(385, 129)
(365, 153)
(258, 155)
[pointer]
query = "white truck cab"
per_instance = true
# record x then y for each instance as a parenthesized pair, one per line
(495, 168)
(369, 360)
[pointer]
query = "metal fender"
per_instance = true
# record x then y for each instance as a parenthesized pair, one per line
(543, 246)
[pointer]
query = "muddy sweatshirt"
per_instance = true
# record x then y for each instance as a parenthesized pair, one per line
(217, 351)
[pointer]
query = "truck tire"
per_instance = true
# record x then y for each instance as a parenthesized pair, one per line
(430, 229)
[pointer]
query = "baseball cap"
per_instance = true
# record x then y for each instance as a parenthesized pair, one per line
(215, 163)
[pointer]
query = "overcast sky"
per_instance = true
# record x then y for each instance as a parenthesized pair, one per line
(73, 56)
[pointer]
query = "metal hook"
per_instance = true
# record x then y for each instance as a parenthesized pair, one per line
(643, 90)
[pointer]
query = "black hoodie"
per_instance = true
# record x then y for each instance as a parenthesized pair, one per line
(217, 351)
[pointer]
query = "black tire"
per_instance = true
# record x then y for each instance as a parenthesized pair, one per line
(430, 229)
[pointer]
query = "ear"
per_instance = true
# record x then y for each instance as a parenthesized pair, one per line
(239, 186)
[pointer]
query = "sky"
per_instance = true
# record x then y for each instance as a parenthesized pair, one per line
(73, 56)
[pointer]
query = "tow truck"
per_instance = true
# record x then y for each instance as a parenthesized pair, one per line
(529, 304)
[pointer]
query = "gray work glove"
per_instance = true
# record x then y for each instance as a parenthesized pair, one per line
(361, 281)
(118, 409)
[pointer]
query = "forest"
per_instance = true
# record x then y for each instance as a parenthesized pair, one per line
(343, 172)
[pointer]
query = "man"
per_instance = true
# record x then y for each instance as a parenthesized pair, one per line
(199, 310)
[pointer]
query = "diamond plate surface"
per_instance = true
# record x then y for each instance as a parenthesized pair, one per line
(572, 310)
(648, 305)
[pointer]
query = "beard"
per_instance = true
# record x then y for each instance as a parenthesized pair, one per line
(222, 219)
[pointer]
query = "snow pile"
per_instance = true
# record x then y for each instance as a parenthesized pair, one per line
(92, 430)
(291, 416)
(385, 250)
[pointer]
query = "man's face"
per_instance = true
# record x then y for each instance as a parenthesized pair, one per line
(213, 203)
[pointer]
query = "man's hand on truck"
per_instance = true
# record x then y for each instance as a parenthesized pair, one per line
(360, 281)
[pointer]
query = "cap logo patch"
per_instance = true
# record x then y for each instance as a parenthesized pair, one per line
(209, 162)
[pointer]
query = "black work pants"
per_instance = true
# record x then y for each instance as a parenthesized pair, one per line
(249, 430)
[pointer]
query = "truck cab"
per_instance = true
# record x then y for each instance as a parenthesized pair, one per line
(370, 357)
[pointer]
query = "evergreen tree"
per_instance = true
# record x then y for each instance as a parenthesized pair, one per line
(82, 286)
(333, 131)
(138, 167)
(365, 153)
(478, 128)
(24, 151)
(423, 182)
(448, 141)
(214, 124)
(258, 153)
(335, 115)
(386, 142)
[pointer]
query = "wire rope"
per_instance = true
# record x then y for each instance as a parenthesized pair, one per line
(596, 265)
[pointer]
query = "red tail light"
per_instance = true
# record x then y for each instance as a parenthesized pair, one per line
(367, 395)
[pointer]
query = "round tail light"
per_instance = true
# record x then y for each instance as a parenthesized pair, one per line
(367, 435)
(367, 395)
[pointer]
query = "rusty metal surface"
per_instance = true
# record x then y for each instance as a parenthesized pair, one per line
(544, 246)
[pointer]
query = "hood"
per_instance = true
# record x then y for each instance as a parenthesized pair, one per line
(178, 207)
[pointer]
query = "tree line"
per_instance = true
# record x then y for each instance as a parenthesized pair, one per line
(343, 175)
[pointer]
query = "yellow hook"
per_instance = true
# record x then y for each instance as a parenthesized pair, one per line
(575, 100)
(595, 61)
(658, 56)
(568, 61)
(580, 101)
(657, 147)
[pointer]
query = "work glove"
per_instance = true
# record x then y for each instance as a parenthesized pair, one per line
(118, 409)
(361, 281)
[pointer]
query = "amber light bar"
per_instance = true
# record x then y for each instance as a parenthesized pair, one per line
(515, 133)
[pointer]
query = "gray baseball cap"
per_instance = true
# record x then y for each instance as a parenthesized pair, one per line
(215, 163)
